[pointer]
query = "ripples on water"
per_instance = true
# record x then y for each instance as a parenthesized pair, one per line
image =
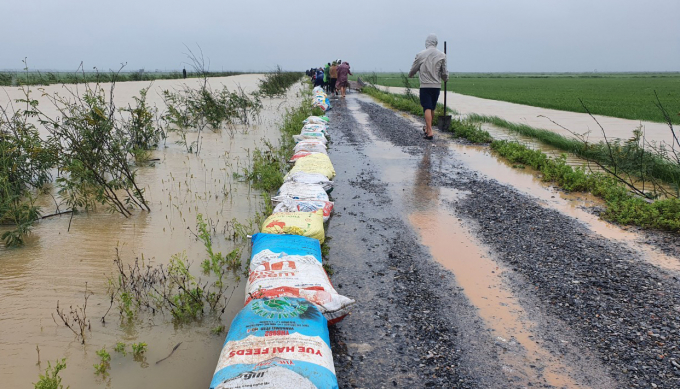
(55, 264)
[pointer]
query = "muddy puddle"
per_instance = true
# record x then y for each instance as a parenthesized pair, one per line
(576, 205)
(57, 263)
(481, 278)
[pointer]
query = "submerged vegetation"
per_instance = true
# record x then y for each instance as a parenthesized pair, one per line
(91, 144)
(104, 362)
(25, 168)
(51, 379)
(76, 318)
(216, 263)
(192, 110)
(173, 289)
(623, 206)
(95, 148)
(656, 166)
(103, 365)
(277, 82)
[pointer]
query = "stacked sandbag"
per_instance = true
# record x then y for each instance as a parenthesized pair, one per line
(310, 178)
(308, 147)
(309, 224)
(276, 343)
(306, 186)
(301, 190)
(316, 127)
(314, 163)
(280, 338)
(316, 120)
(291, 205)
(321, 99)
(291, 266)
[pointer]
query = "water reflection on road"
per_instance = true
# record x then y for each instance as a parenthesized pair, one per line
(482, 279)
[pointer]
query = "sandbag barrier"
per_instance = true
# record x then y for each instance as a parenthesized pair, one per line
(280, 340)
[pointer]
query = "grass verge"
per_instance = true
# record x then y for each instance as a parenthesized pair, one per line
(270, 163)
(622, 206)
(460, 128)
(627, 156)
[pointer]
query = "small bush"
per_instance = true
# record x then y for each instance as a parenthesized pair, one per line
(276, 83)
(470, 131)
(216, 263)
(104, 358)
(138, 349)
(51, 379)
(120, 348)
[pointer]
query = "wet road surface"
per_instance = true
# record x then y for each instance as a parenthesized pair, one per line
(466, 281)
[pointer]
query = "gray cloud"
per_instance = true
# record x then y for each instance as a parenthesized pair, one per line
(381, 35)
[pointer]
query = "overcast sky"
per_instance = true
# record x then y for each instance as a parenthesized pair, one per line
(380, 35)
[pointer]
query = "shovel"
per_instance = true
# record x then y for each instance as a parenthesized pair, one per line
(444, 121)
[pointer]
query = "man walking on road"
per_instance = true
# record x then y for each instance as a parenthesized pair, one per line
(431, 64)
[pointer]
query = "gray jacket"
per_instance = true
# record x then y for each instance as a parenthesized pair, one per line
(431, 63)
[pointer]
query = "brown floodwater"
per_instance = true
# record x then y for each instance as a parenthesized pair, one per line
(57, 263)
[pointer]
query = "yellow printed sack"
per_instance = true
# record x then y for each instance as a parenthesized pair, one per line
(309, 224)
(315, 163)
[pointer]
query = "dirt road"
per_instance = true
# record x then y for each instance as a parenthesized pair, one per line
(466, 281)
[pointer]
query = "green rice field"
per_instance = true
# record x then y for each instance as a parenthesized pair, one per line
(622, 95)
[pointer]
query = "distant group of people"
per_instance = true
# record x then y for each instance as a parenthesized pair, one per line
(430, 64)
(332, 77)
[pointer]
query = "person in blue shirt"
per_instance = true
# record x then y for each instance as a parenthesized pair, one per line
(318, 81)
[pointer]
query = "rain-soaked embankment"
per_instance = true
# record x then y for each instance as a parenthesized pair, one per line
(466, 272)
(480, 276)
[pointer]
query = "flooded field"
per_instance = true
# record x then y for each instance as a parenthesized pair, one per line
(65, 255)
